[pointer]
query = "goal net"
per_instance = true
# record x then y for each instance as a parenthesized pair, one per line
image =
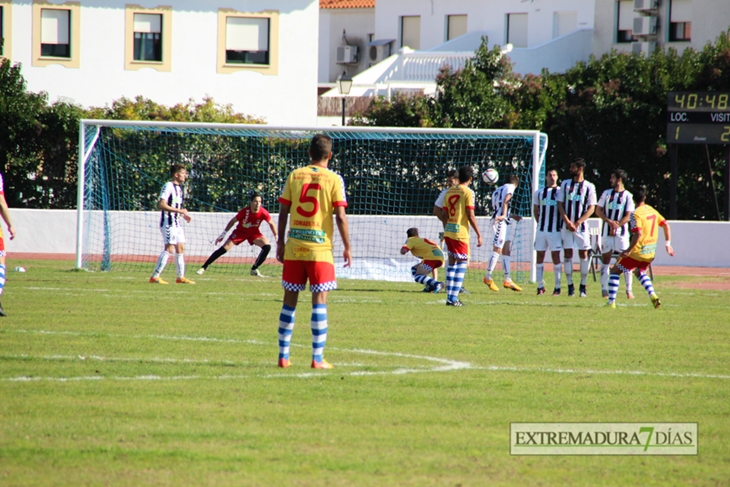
(392, 178)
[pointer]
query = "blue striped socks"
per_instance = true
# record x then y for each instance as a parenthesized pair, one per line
(452, 290)
(319, 331)
(2, 278)
(613, 282)
(459, 273)
(286, 327)
(423, 279)
(646, 282)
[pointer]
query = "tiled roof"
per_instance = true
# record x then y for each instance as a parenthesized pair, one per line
(346, 3)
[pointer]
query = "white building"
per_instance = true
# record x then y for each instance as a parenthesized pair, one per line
(258, 55)
(345, 29)
(536, 34)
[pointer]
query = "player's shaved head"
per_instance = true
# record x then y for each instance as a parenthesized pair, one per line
(176, 168)
(320, 148)
(412, 232)
(465, 174)
(640, 195)
(513, 179)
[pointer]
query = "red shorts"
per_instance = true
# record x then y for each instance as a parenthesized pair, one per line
(321, 275)
(628, 264)
(457, 248)
(240, 236)
(432, 264)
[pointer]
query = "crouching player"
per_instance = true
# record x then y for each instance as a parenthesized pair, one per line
(642, 248)
(432, 256)
(249, 219)
(312, 194)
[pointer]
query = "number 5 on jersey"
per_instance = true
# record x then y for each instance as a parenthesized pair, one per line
(305, 197)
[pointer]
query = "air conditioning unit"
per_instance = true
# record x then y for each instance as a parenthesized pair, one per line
(377, 53)
(346, 54)
(645, 26)
(645, 4)
(645, 48)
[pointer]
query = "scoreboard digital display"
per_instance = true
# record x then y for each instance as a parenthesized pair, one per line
(698, 117)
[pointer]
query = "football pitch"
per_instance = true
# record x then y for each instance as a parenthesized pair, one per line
(106, 379)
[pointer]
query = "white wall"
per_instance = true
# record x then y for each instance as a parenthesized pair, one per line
(288, 98)
(482, 15)
(697, 244)
(358, 23)
(710, 18)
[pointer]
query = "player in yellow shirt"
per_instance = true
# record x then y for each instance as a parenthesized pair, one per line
(644, 223)
(432, 258)
(312, 195)
(458, 214)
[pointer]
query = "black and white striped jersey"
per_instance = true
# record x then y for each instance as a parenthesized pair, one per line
(616, 205)
(577, 197)
(498, 197)
(546, 199)
(173, 194)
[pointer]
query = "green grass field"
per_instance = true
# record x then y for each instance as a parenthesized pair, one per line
(106, 379)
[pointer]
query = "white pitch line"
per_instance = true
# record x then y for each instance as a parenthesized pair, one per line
(548, 370)
(446, 364)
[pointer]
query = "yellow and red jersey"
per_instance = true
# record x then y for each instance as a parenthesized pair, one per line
(424, 248)
(312, 193)
(647, 220)
(457, 201)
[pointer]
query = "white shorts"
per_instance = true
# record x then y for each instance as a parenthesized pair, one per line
(548, 240)
(501, 233)
(614, 243)
(575, 240)
(172, 235)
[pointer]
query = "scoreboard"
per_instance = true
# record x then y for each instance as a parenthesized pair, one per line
(698, 117)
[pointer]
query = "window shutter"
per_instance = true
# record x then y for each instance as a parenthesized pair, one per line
(54, 26)
(148, 23)
(247, 34)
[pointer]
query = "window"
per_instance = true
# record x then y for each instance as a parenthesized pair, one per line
(517, 30)
(624, 21)
(680, 16)
(247, 40)
(148, 37)
(564, 23)
(410, 29)
(56, 33)
(455, 26)
(6, 26)
(55, 28)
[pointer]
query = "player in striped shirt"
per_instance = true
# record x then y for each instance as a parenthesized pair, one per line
(576, 202)
(614, 208)
(644, 223)
(501, 221)
(5, 213)
(458, 214)
(312, 195)
(431, 259)
(249, 220)
(549, 223)
(170, 204)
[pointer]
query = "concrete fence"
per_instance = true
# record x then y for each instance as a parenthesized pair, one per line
(53, 233)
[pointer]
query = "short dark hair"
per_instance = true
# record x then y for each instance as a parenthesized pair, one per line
(412, 232)
(255, 195)
(320, 147)
(452, 173)
(620, 174)
(465, 173)
(580, 162)
(551, 169)
(640, 194)
(176, 168)
(513, 179)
